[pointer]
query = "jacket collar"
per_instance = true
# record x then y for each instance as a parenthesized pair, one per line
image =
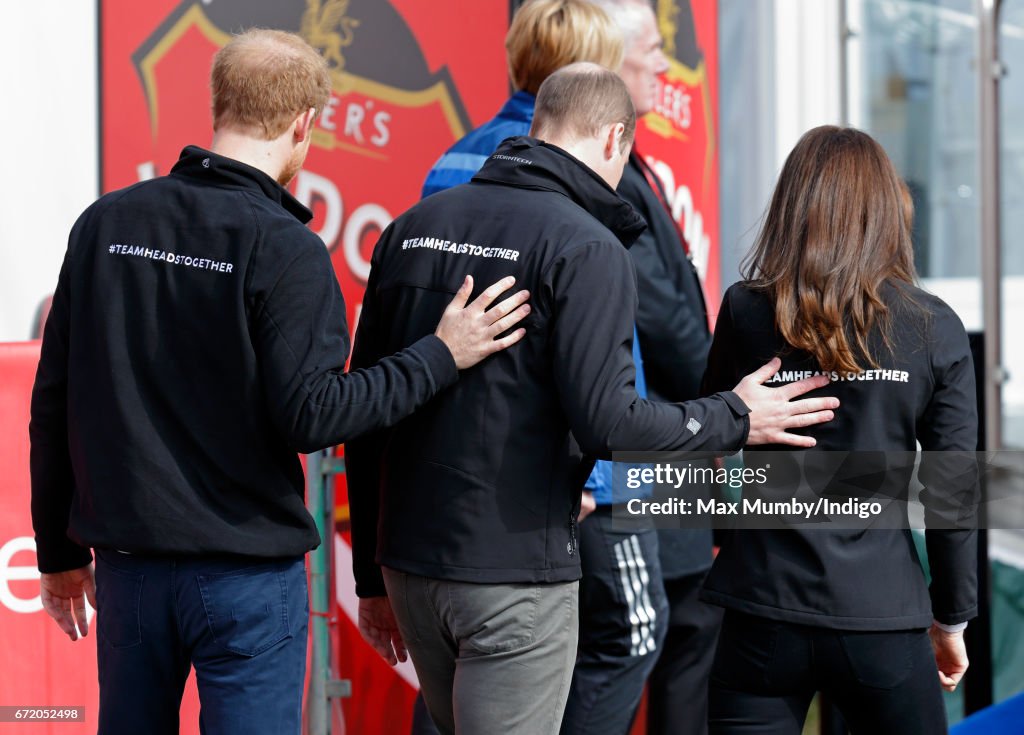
(199, 163)
(528, 163)
(518, 107)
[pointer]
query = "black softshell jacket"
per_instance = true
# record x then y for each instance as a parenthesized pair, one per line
(196, 342)
(483, 484)
(923, 391)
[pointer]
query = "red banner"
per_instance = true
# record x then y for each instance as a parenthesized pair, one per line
(679, 138)
(409, 78)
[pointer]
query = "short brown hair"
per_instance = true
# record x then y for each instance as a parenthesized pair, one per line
(263, 79)
(836, 231)
(546, 35)
(580, 99)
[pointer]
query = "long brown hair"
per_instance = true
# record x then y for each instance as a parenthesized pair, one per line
(837, 229)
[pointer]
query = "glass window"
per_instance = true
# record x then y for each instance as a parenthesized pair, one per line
(916, 94)
(1011, 161)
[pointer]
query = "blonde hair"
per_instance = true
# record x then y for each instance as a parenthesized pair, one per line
(546, 35)
(263, 79)
(579, 100)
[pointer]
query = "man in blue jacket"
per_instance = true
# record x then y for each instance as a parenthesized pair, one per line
(545, 35)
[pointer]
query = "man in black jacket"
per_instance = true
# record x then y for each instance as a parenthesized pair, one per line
(464, 516)
(197, 341)
(672, 325)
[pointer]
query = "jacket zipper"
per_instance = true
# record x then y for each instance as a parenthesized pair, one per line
(572, 534)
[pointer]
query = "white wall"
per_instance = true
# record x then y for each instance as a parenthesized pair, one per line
(49, 129)
(808, 89)
(780, 76)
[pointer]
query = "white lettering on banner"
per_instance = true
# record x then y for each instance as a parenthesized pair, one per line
(684, 212)
(354, 121)
(309, 187)
(367, 215)
(352, 118)
(673, 103)
(380, 124)
(357, 115)
(146, 171)
(327, 117)
(11, 574)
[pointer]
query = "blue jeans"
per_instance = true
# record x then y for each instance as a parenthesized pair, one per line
(240, 622)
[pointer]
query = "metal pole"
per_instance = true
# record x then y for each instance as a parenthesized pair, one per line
(844, 63)
(317, 702)
(978, 690)
(990, 71)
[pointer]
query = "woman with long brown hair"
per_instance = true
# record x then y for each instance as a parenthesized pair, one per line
(830, 288)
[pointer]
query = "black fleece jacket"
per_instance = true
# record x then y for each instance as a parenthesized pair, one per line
(197, 341)
(483, 484)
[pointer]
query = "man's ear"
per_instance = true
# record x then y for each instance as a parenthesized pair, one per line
(304, 124)
(613, 141)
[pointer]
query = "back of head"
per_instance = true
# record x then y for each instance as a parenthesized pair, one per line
(262, 79)
(836, 230)
(546, 35)
(579, 101)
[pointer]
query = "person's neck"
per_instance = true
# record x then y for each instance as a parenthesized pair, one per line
(585, 150)
(269, 156)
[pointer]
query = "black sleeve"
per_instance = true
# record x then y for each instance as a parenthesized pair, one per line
(948, 431)
(593, 297)
(301, 338)
(720, 373)
(669, 319)
(50, 460)
(363, 456)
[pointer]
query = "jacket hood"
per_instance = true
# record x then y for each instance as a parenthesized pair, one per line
(528, 163)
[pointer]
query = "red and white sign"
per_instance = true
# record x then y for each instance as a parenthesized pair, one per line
(679, 138)
(410, 78)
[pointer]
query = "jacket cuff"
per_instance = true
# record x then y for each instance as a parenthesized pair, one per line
(735, 402)
(742, 412)
(439, 360)
(373, 587)
(61, 556)
(952, 619)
